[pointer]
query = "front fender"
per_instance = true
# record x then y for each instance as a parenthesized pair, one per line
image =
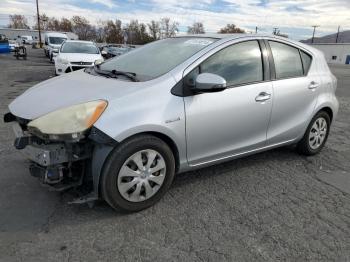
(152, 109)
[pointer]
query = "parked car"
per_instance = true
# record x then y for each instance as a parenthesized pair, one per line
(53, 42)
(75, 55)
(112, 51)
(27, 39)
(4, 44)
(132, 122)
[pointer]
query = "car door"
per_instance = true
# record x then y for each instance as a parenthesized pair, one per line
(222, 124)
(295, 91)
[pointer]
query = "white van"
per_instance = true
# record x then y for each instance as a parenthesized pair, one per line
(53, 42)
(27, 39)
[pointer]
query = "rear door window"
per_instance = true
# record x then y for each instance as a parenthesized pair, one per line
(287, 60)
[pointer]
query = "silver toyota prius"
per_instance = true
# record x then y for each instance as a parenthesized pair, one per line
(128, 125)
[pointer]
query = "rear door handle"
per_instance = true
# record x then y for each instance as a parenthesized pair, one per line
(262, 97)
(313, 85)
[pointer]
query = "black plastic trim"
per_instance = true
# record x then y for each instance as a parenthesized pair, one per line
(100, 137)
(22, 142)
(9, 117)
(265, 60)
(271, 60)
(178, 89)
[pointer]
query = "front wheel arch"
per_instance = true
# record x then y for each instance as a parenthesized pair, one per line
(166, 139)
(104, 152)
(112, 162)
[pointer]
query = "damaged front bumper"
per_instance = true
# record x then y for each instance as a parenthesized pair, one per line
(63, 164)
(59, 164)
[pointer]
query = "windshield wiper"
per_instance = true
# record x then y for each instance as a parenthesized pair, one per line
(129, 75)
(115, 73)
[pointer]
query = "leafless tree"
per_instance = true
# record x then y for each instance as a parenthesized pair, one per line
(66, 25)
(154, 29)
(196, 28)
(44, 22)
(81, 26)
(18, 22)
(230, 29)
(113, 31)
(137, 33)
(168, 28)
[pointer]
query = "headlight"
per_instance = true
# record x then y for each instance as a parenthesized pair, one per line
(98, 61)
(62, 61)
(55, 50)
(71, 120)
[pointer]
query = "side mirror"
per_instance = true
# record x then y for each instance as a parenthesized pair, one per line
(207, 82)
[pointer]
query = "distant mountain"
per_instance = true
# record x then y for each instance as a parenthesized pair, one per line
(344, 37)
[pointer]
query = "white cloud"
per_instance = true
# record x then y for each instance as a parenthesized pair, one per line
(108, 3)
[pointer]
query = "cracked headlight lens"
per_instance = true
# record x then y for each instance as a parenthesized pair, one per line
(70, 120)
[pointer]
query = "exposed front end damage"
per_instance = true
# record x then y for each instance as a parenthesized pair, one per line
(64, 162)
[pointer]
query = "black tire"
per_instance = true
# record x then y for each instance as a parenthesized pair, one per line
(114, 162)
(303, 146)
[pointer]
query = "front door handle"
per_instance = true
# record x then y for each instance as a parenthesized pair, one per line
(262, 97)
(313, 85)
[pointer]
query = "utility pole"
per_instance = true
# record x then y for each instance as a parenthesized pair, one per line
(37, 13)
(313, 34)
(336, 40)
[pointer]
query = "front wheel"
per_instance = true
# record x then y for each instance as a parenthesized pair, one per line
(137, 173)
(316, 135)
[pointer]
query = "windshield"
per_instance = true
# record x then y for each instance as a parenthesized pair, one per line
(157, 58)
(56, 40)
(79, 47)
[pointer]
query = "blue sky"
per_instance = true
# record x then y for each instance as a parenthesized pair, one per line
(294, 18)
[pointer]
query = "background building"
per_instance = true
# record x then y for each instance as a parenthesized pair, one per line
(336, 47)
(13, 34)
(335, 53)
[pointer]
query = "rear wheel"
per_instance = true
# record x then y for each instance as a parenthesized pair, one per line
(316, 134)
(138, 173)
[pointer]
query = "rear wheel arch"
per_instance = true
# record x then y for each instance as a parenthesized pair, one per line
(328, 110)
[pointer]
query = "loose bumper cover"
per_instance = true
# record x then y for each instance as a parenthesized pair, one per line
(63, 164)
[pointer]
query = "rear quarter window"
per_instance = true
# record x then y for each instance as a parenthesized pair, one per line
(306, 59)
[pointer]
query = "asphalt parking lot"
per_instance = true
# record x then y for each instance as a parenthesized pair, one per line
(276, 205)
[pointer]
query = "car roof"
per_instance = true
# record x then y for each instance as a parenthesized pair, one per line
(56, 35)
(225, 37)
(79, 41)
